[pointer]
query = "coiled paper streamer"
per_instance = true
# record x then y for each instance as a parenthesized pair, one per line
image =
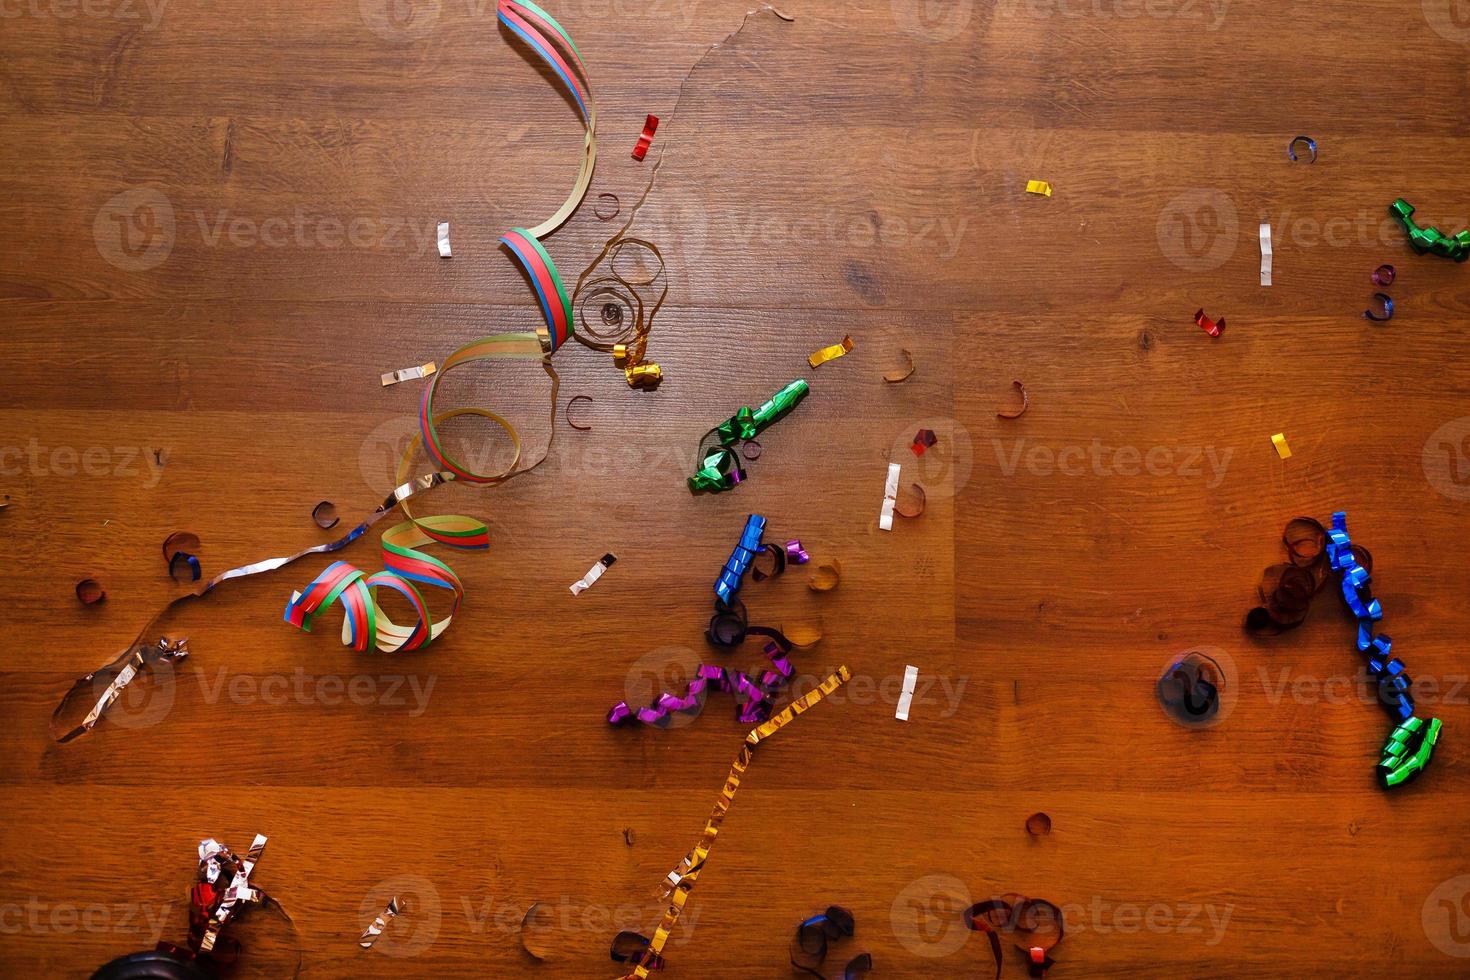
(683, 878)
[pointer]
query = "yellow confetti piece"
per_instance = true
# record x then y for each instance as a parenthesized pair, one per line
(828, 353)
(1038, 187)
(1282, 449)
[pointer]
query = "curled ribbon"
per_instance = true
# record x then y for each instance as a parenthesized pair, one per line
(1411, 744)
(364, 620)
(1431, 240)
(683, 878)
(719, 469)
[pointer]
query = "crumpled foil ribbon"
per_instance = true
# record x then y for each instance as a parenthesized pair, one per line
(137, 660)
(720, 468)
(683, 878)
(1411, 744)
(224, 892)
(1430, 240)
(1040, 187)
(380, 922)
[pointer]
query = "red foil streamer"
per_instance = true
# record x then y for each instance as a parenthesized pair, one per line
(650, 126)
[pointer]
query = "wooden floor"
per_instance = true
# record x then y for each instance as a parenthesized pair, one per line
(859, 170)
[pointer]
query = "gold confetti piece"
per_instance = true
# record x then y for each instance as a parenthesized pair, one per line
(1038, 187)
(898, 375)
(1282, 449)
(828, 353)
(380, 922)
(911, 502)
(826, 576)
(802, 636)
(679, 881)
(409, 374)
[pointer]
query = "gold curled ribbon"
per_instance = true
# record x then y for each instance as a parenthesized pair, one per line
(682, 879)
(829, 353)
(899, 375)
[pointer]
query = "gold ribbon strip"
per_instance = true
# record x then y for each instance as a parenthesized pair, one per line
(828, 353)
(682, 878)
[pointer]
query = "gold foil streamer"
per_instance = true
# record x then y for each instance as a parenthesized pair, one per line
(1282, 449)
(409, 374)
(829, 353)
(1038, 187)
(380, 922)
(683, 878)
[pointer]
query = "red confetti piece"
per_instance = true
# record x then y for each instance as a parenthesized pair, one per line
(650, 126)
(1209, 326)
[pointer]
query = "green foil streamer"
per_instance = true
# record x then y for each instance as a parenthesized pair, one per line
(1399, 765)
(1431, 240)
(719, 469)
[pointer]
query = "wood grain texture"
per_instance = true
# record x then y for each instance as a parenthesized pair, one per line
(857, 171)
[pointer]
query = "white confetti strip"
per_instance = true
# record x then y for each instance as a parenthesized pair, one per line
(890, 497)
(1265, 253)
(443, 239)
(593, 574)
(906, 697)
